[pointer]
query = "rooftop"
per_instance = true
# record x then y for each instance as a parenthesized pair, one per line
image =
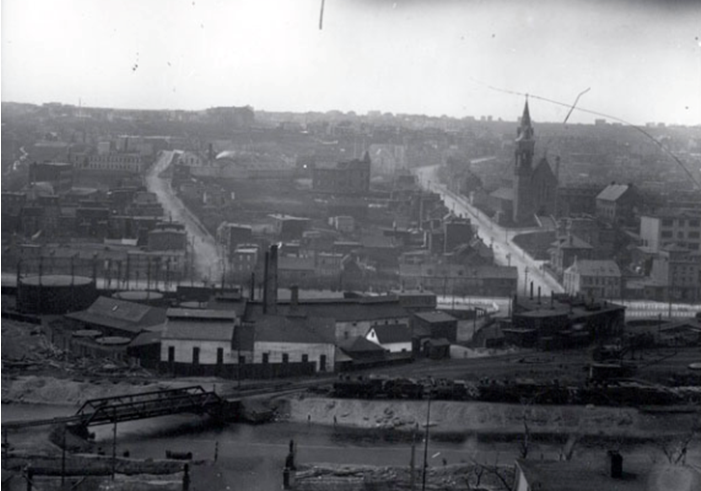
(392, 333)
(613, 192)
(119, 314)
(281, 329)
(201, 314)
(436, 316)
(183, 329)
(592, 267)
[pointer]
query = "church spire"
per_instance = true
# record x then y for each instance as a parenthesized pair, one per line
(525, 130)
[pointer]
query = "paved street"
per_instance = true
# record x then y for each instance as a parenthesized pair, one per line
(505, 251)
(207, 256)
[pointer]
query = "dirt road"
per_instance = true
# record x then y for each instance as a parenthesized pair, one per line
(207, 256)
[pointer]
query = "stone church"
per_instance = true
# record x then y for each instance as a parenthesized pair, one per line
(534, 187)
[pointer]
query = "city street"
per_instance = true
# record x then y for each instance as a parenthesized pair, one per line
(206, 256)
(505, 251)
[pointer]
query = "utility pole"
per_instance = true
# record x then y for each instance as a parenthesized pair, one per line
(114, 443)
(412, 462)
(428, 419)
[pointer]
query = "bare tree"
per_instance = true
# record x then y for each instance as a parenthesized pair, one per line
(675, 448)
(494, 470)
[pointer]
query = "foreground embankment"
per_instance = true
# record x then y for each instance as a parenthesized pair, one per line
(38, 389)
(486, 418)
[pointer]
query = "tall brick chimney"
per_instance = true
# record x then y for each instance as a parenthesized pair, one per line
(270, 281)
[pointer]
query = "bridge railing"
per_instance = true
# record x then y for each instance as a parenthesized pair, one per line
(93, 405)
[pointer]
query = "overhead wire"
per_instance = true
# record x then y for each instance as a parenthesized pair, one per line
(596, 113)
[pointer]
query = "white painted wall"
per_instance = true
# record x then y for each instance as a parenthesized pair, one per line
(208, 351)
(295, 351)
(391, 347)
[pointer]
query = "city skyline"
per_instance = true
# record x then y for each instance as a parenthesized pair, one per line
(641, 61)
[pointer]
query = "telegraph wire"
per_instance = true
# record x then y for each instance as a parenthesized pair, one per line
(596, 113)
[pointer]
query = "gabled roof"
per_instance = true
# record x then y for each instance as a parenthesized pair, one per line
(392, 333)
(281, 329)
(613, 192)
(118, 314)
(359, 344)
(571, 241)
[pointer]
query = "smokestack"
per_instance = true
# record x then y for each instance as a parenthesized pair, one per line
(253, 286)
(538, 295)
(270, 285)
(266, 266)
(531, 290)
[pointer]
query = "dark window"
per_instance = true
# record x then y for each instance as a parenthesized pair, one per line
(266, 357)
(322, 363)
(285, 358)
(220, 356)
(305, 358)
(242, 360)
(196, 355)
(171, 354)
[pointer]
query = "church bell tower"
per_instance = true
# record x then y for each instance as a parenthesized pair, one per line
(523, 170)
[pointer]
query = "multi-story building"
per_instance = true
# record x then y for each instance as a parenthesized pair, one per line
(244, 260)
(593, 279)
(616, 203)
(678, 271)
(565, 250)
(59, 175)
(131, 163)
(347, 177)
(668, 227)
(167, 236)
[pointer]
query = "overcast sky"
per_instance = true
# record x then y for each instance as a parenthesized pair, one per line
(641, 59)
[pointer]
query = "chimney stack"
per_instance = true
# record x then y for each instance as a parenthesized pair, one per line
(538, 295)
(270, 281)
(253, 286)
(531, 290)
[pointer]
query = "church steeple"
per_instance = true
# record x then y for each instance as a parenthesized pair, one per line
(525, 129)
